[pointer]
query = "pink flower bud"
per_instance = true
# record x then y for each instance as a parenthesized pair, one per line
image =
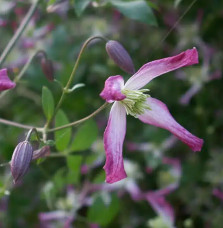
(21, 159)
(42, 152)
(120, 56)
(47, 68)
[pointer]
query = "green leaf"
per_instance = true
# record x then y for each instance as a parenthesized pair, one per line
(137, 10)
(51, 2)
(102, 212)
(47, 102)
(85, 136)
(63, 136)
(59, 180)
(100, 178)
(74, 166)
(80, 6)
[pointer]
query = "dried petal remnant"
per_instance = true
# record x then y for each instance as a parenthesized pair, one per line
(40, 153)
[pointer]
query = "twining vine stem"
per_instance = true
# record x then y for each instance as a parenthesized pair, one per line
(45, 129)
(79, 121)
(66, 88)
(38, 129)
(19, 125)
(19, 32)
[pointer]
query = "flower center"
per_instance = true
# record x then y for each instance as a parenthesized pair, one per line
(135, 101)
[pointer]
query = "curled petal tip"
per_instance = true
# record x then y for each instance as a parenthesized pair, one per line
(160, 116)
(159, 67)
(193, 55)
(198, 144)
(115, 177)
(112, 90)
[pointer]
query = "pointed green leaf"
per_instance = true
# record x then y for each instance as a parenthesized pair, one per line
(85, 136)
(51, 2)
(47, 102)
(63, 136)
(137, 10)
(80, 6)
(74, 166)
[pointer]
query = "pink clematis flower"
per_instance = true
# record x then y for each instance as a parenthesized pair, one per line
(5, 82)
(129, 98)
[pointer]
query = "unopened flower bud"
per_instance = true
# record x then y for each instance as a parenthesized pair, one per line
(47, 68)
(21, 159)
(120, 56)
(42, 152)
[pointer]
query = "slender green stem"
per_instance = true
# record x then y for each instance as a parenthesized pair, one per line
(79, 121)
(30, 133)
(72, 77)
(75, 69)
(26, 66)
(15, 124)
(19, 32)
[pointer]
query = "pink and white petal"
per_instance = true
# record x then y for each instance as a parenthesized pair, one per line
(160, 116)
(161, 206)
(5, 82)
(112, 90)
(113, 142)
(158, 67)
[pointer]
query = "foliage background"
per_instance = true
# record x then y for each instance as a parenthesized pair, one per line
(46, 186)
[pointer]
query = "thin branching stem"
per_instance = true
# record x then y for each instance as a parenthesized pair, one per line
(66, 88)
(19, 32)
(19, 125)
(79, 121)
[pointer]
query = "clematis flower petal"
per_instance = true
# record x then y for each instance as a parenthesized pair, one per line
(112, 90)
(5, 82)
(160, 116)
(161, 206)
(113, 141)
(158, 67)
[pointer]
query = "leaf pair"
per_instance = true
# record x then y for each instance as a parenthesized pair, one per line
(138, 10)
(85, 135)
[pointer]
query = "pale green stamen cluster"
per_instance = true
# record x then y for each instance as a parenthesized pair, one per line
(135, 101)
